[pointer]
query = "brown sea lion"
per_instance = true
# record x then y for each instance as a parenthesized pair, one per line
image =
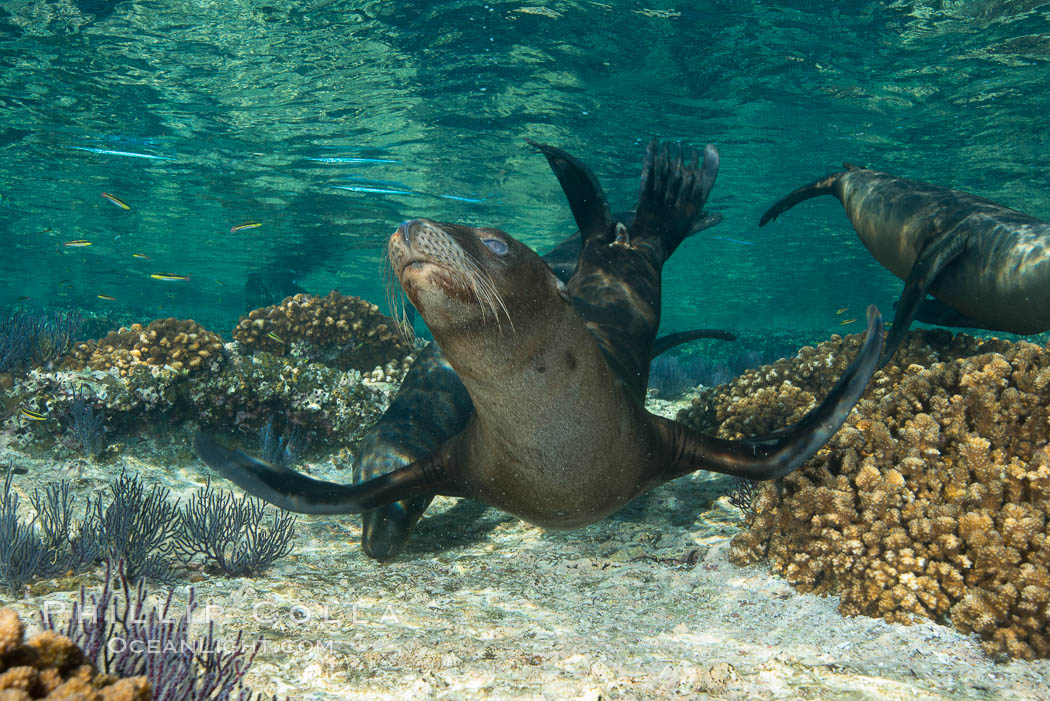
(432, 405)
(988, 263)
(559, 435)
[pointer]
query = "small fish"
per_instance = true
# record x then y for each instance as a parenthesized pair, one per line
(33, 415)
(373, 190)
(350, 159)
(841, 310)
(741, 241)
(79, 243)
(457, 198)
(22, 298)
(109, 152)
(246, 225)
(275, 337)
(65, 283)
(220, 283)
(844, 322)
(169, 276)
(116, 200)
(143, 256)
(107, 298)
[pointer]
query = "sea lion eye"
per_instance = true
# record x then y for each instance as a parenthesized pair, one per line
(497, 246)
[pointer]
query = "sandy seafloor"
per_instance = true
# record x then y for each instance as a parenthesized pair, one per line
(484, 606)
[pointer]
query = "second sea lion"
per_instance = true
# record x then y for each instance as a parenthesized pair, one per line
(988, 263)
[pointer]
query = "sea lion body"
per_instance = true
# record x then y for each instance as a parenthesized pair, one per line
(557, 374)
(989, 263)
(432, 405)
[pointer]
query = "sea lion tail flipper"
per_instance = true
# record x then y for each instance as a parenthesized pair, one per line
(673, 194)
(586, 198)
(666, 343)
(824, 186)
(776, 454)
(934, 256)
(295, 491)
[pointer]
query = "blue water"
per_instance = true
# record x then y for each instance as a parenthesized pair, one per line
(204, 115)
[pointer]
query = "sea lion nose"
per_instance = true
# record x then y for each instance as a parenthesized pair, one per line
(406, 229)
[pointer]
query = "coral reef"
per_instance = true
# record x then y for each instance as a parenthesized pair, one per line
(181, 344)
(932, 500)
(241, 395)
(341, 331)
(50, 666)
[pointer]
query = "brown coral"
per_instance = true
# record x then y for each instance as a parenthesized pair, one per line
(50, 666)
(181, 344)
(341, 331)
(933, 500)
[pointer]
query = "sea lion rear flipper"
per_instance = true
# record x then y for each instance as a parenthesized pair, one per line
(776, 454)
(295, 491)
(672, 197)
(824, 186)
(934, 311)
(586, 198)
(666, 343)
(935, 255)
(706, 221)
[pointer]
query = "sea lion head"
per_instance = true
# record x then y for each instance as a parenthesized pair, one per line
(466, 280)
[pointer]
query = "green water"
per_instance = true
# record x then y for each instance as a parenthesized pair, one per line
(239, 96)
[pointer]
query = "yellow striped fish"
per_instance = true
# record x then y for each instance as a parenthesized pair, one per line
(169, 276)
(33, 415)
(245, 225)
(116, 200)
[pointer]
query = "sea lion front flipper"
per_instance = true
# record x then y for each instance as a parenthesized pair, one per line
(586, 198)
(824, 186)
(666, 343)
(935, 255)
(295, 491)
(776, 454)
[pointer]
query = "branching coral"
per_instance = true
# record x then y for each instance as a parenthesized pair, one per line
(230, 533)
(123, 634)
(50, 666)
(181, 344)
(340, 331)
(932, 500)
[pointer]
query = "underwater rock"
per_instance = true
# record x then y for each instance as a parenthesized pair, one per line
(341, 331)
(181, 344)
(933, 499)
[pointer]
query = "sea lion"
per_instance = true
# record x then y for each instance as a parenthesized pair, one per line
(432, 405)
(987, 262)
(559, 435)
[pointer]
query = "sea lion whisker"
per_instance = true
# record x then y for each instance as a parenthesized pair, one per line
(395, 299)
(488, 294)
